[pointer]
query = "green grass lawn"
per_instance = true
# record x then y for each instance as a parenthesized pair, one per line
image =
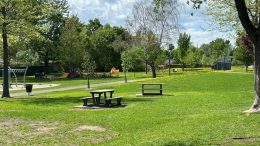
(204, 108)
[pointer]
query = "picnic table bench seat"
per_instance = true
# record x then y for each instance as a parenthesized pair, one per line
(108, 101)
(85, 100)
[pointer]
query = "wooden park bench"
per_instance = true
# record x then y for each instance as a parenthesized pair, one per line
(108, 101)
(149, 88)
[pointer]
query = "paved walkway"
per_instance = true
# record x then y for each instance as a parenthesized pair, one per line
(70, 88)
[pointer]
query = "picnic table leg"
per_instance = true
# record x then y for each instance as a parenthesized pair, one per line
(98, 99)
(142, 89)
(111, 94)
(85, 101)
(105, 95)
(161, 89)
(94, 100)
(118, 101)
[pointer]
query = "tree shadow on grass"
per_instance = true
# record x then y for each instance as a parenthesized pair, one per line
(129, 100)
(50, 101)
(70, 100)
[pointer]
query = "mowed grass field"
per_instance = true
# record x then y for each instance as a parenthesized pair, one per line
(199, 108)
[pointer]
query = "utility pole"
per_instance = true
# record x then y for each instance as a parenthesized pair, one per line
(171, 47)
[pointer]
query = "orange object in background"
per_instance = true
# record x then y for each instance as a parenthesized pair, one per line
(114, 71)
(64, 75)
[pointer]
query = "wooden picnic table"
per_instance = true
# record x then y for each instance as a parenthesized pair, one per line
(96, 95)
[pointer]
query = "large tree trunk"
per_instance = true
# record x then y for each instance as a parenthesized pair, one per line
(254, 34)
(5, 57)
(256, 105)
(153, 69)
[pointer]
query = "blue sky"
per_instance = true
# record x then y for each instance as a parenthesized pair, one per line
(115, 12)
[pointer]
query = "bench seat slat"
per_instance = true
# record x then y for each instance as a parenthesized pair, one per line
(152, 89)
(88, 97)
(109, 100)
(114, 98)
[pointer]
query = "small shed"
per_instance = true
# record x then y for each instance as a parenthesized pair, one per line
(222, 64)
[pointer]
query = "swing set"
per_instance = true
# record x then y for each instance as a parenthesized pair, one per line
(15, 72)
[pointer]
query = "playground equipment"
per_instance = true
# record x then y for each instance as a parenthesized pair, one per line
(64, 75)
(160, 67)
(15, 71)
(74, 73)
(114, 72)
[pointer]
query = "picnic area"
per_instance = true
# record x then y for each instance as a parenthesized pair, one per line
(129, 73)
(205, 108)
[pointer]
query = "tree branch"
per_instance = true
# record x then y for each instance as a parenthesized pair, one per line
(245, 20)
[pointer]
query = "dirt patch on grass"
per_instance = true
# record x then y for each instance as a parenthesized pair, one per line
(21, 127)
(100, 139)
(27, 132)
(239, 139)
(245, 139)
(91, 128)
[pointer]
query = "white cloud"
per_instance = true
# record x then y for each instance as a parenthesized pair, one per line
(201, 28)
(200, 37)
(107, 11)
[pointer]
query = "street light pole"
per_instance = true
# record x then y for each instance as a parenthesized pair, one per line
(88, 82)
(124, 69)
(169, 66)
(171, 47)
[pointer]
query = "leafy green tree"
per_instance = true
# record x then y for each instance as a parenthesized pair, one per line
(216, 49)
(219, 48)
(122, 42)
(27, 57)
(244, 51)
(162, 57)
(206, 59)
(17, 17)
(132, 59)
(47, 47)
(71, 43)
(103, 52)
(88, 64)
(92, 26)
(192, 58)
(182, 50)
(170, 53)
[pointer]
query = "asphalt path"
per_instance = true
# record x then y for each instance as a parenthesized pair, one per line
(70, 88)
